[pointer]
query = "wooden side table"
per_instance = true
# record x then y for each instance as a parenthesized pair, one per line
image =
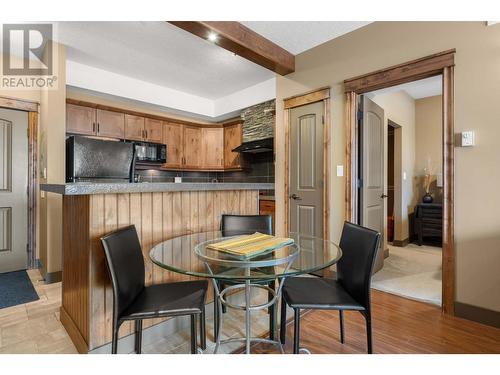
(428, 221)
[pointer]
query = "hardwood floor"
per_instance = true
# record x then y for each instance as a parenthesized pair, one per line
(399, 326)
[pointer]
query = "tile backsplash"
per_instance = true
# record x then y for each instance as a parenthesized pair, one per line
(261, 170)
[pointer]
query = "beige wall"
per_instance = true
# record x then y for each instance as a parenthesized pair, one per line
(400, 108)
(29, 94)
(477, 89)
(52, 166)
(428, 143)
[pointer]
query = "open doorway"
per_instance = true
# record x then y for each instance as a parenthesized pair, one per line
(443, 64)
(410, 193)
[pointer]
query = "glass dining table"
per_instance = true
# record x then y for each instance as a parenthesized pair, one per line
(191, 255)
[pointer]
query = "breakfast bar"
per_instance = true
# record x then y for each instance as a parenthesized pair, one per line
(159, 211)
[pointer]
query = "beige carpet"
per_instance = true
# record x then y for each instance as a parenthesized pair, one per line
(413, 272)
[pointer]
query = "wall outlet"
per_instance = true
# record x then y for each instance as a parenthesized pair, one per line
(468, 138)
(177, 179)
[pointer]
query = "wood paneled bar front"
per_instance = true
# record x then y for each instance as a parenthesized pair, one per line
(159, 212)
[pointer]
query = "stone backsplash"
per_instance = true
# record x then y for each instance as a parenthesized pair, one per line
(258, 121)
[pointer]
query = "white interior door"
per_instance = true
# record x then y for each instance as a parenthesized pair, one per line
(372, 200)
(13, 190)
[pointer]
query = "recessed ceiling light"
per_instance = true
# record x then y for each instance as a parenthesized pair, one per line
(212, 37)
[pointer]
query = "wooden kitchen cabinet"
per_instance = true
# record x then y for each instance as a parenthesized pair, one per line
(134, 127)
(90, 121)
(212, 148)
(233, 137)
(192, 147)
(173, 135)
(110, 124)
(153, 130)
(268, 207)
(80, 119)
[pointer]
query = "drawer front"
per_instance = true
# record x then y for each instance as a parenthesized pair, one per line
(267, 206)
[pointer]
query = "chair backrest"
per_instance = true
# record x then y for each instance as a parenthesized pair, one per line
(126, 266)
(359, 247)
(233, 225)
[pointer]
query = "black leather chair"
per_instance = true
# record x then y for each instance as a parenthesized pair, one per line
(350, 291)
(234, 225)
(132, 300)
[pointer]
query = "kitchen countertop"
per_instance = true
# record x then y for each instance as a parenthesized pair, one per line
(86, 188)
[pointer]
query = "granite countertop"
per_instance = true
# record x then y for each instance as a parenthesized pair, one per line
(87, 188)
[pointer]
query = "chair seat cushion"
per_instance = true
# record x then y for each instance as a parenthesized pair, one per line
(168, 300)
(318, 293)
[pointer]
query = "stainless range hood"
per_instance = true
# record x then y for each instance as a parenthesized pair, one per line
(255, 147)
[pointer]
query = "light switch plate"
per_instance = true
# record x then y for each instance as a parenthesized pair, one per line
(340, 170)
(468, 138)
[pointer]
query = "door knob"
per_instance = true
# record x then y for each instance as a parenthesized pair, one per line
(295, 197)
(384, 196)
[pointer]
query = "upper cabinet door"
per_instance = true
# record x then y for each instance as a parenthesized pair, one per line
(172, 137)
(212, 148)
(110, 124)
(134, 128)
(192, 147)
(153, 130)
(80, 119)
(233, 137)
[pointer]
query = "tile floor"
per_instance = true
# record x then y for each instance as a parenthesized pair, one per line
(413, 272)
(35, 327)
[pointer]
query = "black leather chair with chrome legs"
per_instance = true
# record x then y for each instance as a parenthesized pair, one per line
(350, 291)
(132, 300)
(234, 225)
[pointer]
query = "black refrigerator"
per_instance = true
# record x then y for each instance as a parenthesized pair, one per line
(90, 159)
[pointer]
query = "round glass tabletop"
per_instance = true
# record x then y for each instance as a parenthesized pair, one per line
(190, 255)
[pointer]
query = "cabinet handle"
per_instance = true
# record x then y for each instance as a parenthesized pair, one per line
(97, 128)
(93, 127)
(146, 134)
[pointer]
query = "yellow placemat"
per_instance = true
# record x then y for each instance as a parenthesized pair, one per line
(251, 244)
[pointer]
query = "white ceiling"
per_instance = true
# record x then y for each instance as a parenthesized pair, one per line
(160, 53)
(299, 36)
(158, 63)
(423, 88)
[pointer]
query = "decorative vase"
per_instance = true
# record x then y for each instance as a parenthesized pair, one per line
(427, 198)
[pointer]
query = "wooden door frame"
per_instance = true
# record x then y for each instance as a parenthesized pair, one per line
(32, 108)
(318, 95)
(437, 64)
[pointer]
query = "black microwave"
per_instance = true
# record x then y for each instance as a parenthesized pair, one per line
(146, 152)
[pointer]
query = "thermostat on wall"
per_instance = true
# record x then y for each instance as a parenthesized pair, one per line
(467, 138)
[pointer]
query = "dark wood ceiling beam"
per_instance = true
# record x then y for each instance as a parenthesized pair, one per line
(239, 39)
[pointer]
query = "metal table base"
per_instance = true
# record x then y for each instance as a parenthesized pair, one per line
(248, 308)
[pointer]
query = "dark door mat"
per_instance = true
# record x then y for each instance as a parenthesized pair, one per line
(15, 289)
